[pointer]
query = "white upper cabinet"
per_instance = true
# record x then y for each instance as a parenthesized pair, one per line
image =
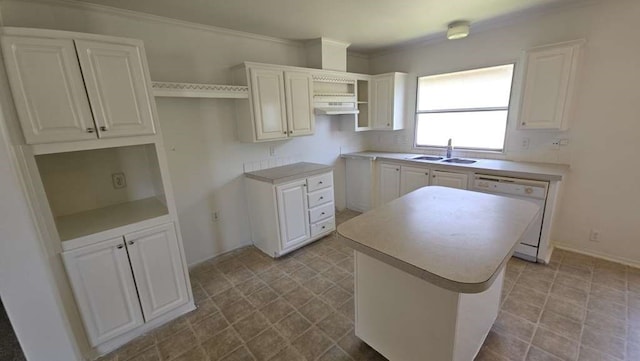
(449, 179)
(412, 178)
(269, 107)
(68, 89)
(48, 89)
(104, 289)
(550, 74)
(280, 104)
(117, 86)
(387, 101)
(299, 100)
(157, 267)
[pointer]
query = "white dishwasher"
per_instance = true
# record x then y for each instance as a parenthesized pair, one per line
(528, 190)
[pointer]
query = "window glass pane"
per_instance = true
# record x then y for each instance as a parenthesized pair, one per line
(479, 88)
(479, 130)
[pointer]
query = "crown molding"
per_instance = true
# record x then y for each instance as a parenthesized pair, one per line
(136, 15)
(486, 25)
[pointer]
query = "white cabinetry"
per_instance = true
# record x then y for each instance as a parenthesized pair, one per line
(548, 86)
(280, 103)
(104, 277)
(360, 180)
(387, 101)
(449, 179)
(412, 178)
(389, 184)
(287, 216)
(50, 79)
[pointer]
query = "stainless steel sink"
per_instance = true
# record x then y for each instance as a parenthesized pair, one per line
(459, 161)
(428, 157)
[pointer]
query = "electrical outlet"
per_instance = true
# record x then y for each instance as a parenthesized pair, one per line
(119, 180)
(525, 143)
(555, 144)
(594, 235)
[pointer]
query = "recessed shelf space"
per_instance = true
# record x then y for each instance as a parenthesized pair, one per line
(363, 119)
(97, 190)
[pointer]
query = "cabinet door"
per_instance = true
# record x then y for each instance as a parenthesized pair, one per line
(104, 289)
(389, 183)
(118, 89)
(269, 108)
(292, 213)
(157, 267)
(412, 178)
(448, 179)
(547, 87)
(48, 89)
(299, 99)
(382, 101)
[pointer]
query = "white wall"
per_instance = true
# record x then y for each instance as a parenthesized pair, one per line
(601, 190)
(205, 159)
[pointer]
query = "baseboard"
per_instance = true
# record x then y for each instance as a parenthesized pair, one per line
(625, 261)
(208, 258)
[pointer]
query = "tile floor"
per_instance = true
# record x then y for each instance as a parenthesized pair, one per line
(300, 307)
(9, 347)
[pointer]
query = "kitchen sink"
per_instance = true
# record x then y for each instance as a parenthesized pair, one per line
(428, 157)
(459, 161)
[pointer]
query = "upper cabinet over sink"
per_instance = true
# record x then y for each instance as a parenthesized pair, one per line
(280, 103)
(68, 89)
(387, 101)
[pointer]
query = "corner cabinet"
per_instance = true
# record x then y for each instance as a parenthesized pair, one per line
(387, 101)
(285, 217)
(280, 103)
(69, 89)
(121, 283)
(550, 76)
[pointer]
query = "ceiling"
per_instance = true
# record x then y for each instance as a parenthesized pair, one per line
(368, 25)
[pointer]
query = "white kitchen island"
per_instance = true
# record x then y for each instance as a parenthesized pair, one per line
(429, 268)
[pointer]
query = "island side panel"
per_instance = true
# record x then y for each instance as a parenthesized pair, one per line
(476, 314)
(402, 316)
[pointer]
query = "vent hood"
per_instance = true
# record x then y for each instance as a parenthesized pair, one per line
(335, 108)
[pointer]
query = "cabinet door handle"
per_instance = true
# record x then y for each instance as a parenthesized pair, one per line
(426, 174)
(103, 128)
(131, 243)
(320, 182)
(322, 214)
(120, 246)
(323, 227)
(90, 130)
(291, 132)
(285, 132)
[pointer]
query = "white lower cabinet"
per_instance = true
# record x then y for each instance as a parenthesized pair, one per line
(389, 184)
(449, 179)
(412, 178)
(287, 216)
(104, 277)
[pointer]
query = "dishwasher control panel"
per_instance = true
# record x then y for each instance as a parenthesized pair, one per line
(511, 186)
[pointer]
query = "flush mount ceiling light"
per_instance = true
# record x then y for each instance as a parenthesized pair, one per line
(458, 30)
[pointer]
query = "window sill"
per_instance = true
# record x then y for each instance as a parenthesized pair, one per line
(468, 153)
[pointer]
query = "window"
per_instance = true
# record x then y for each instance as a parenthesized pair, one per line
(470, 107)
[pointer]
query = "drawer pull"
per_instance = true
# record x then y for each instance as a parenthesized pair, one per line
(323, 227)
(320, 182)
(321, 198)
(120, 246)
(322, 213)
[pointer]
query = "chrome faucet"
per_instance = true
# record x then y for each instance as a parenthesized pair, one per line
(449, 148)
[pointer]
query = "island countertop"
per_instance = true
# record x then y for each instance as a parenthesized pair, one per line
(455, 239)
(289, 172)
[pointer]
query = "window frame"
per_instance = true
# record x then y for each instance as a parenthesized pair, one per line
(509, 108)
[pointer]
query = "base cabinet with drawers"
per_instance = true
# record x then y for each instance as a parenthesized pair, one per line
(287, 216)
(123, 282)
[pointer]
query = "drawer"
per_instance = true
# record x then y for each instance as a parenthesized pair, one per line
(323, 226)
(320, 197)
(321, 212)
(319, 182)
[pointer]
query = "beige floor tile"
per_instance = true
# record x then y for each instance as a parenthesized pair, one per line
(194, 354)
(335, 274)
(136, 347)
(150, 354)
(312, 343)
(515, 326)
(335, 353)
(568, 280)
(262, 297)
(277, 310)
(607, 294)
(612, 309)
(251, 285)
(485, 354)
(589, 354)
(237, 310)
(283, 285)
(210, 326)
(318, 284)
(577, 272)
(222, 343)
(288, 354)
(607, 344)
(348, 309)
(347, 284)
(251, 325)
(319, 264)
(204, 309)
(346, 265)
(335, 296)
(521, 293)
(226, 297)
(527, 311)
(536, 354)
(335, 326)
(506, 346)
(216, 284)
(560, 306)
(315, 310)
(266, 344)
(574, 295)
(293, 326)
(357, 349)
(336, 257)
(555, 344)
(272, 274)
(303, 274)
(171, 328)
(299, 296)
(240, 354)
(177, 344)
(240, 275)
(561, 325)
(606, 324)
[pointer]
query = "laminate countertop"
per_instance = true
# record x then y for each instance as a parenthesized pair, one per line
(286, 173)
(456, 239)
(529, 170)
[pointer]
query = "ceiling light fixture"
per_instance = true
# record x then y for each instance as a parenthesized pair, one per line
(458, 30)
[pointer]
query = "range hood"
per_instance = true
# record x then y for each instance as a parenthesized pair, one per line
(335, 108)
